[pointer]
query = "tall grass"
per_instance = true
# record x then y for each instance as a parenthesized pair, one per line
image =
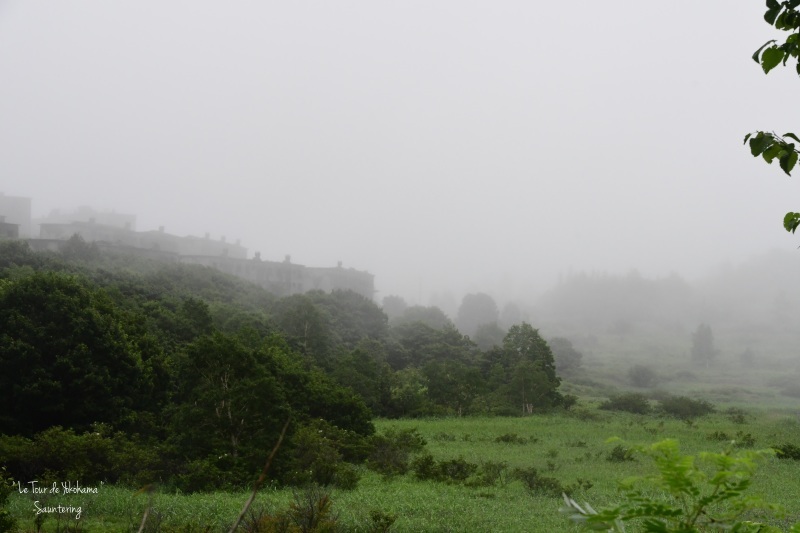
(567, 447)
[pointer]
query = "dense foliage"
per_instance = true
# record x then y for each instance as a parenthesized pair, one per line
(184, 375)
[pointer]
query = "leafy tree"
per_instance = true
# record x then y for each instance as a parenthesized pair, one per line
(703, 351)
(366, 371)
(224, 399)
(352, 316)
(489, 335)
(430, 316)
(452, 384)
(522, 372)
(305, 326)
(77, 248)
(17, 253)
(65, 356)
(567, 358)
(476, 310)
(394, 306)
(783, 16)
(409, 393)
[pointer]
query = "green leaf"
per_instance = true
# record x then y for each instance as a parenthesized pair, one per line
(781, 22)
(746, 137)
(760, 142)
(772, 14)
(772, 152)
(771, 57)
(789, 161)
(791, 221)
(792, 135)
(758, 52)
(773, 4)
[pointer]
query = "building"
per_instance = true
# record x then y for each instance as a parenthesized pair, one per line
(17, 210)
(89, 214)
(279, 277)
(8, 230)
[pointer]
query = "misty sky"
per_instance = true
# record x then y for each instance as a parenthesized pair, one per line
(440, 145)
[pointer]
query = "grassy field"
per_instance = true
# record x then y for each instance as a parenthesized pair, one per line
(567, 447)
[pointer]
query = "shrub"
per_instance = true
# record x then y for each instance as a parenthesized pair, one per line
(687, 498)
(736, 415)
(632, 403)
(318, 456)
(538, 484)
(490, 473)
(381, 522)
(787, 451)
(310, 511)
(90, 457)
(685, 408)
(718, 436)
(449, 471)
(457, 470)
(620, 454)
(391, 451)
(425, 468)
(511, 438)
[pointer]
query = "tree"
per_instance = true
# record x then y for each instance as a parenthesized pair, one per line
(226, 402)
(476, 310)
(366, 371)
(431, 316)
(489, 335)
(783, 16)
(567, 358)
(66, 357)
(703, 351)
(393, 306)
(523, 370)
(352, 316)
(305, 326)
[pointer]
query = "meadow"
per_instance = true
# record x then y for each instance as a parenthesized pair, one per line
(571, 447)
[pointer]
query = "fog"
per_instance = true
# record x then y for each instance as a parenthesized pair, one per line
(445, 147)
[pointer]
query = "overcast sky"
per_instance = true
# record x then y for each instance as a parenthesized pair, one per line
(440, 145)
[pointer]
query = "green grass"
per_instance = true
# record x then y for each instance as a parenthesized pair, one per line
(562, 446)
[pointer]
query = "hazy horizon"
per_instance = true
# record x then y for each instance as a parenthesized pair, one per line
(454, 146)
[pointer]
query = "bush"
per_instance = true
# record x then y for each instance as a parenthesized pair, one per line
(490, 473)
(685, 408)
(391, 451)
(90, 457)
(457, 470)
(449, 471)
(736, 415)
(787, 451)
(632, 403)
(537, 484)
(511, 438)
(620, 454)
(319, 456)
(425, 468)
(688, 496)
(310, 510)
